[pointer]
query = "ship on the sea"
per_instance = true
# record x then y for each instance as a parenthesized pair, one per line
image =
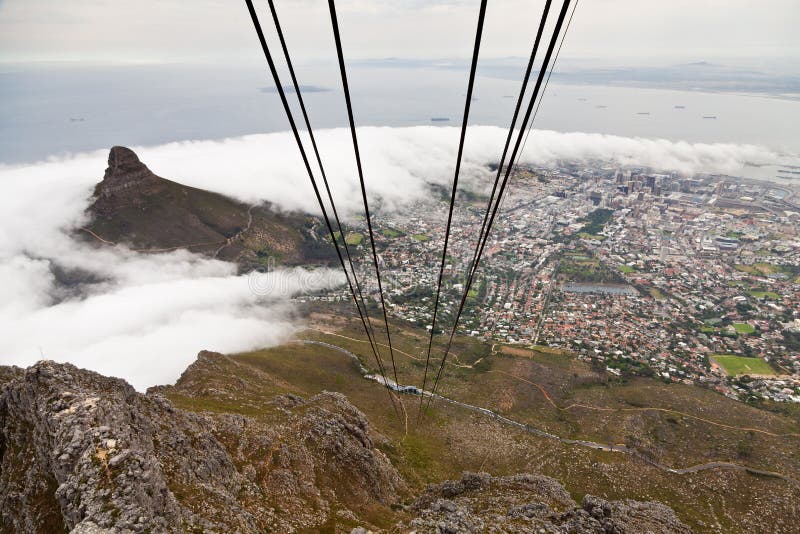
(709, 116)
(643, 113)
(440, 119)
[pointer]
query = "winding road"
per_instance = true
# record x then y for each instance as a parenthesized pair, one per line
(238, 234)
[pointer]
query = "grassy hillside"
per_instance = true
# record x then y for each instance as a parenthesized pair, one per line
(676, 425)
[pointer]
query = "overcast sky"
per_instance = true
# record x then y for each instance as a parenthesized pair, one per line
(611, 31)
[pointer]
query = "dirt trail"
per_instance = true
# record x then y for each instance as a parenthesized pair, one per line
(222, 243)
(152, 250)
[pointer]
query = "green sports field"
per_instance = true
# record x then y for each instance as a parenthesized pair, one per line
(354, 238)
(743, 328)
(739, 365)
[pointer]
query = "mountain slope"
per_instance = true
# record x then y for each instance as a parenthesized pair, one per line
(84, 453)
(81, 451)
(146, 212)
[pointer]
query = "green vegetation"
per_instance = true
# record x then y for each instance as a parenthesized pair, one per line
(420, 237)
(760, 269)
(764, 295)
(354, 238)
(630, 368)
(656, 294)
(580, 267)
(768, 268)
(791, 339)
(592, 237)
(743, 328)
(596, 221)
(627, 269)
(740, 365)
(749, 269)
(513, 381)
(388, 232)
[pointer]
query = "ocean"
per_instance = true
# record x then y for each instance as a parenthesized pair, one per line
(54, 110)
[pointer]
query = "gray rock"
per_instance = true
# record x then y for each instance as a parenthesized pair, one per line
(531, 503)
(86, 453)
(88, 527)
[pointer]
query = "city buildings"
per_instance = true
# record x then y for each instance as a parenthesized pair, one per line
(635, 271)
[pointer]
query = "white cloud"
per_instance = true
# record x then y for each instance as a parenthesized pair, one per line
(400, 163)
(144, 317)
(149, 332)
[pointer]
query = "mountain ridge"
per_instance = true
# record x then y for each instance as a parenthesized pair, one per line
(135, 207)
(84, 453)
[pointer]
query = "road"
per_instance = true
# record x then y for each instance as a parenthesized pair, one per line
(239, 234)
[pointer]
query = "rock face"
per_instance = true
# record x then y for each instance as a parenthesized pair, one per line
(125, 182)
(135, 207)
(532, 503)
(83, 452)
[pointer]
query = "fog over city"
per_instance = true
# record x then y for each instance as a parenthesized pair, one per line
(144, 317)
(80, 78)
(399, 266)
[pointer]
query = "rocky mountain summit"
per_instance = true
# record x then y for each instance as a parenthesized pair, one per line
(81, 451)
(84, 453)
(125, 182)
(135, 207)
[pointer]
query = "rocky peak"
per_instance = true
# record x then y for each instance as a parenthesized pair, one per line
(133, 206)
(123, 160)
(125, 179)
(82, 452)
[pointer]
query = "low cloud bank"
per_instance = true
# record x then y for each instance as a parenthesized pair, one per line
(144, 317)
(401, 163)
(141, 317)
